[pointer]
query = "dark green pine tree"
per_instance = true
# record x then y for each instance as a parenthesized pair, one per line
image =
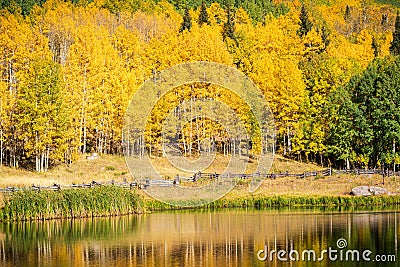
(203, 16)
(347, 14)
(366, 118)
(187, 21)
(305, 23)
(395, 45)
(23, 6)
(228, 30)
(325, 36)
(375, 46)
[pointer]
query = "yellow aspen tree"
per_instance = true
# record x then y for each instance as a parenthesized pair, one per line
(6, 105)
(313, 42)
(79, 70)
(56, 21)
(21, 44)
(270, 57)
(216, 14)
(241, 17)
(41, 114)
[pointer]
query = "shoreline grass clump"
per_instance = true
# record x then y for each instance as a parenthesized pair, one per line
(306, 201)
(27, 205)
(282, 201)
(69, 203)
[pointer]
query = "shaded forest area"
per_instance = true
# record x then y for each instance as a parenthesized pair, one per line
(329, 70)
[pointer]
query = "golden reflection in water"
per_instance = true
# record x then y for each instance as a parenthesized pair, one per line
(209, 238)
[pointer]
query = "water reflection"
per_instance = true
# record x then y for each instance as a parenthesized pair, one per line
(201, 238)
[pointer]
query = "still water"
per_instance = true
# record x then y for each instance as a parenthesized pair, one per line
(208, 238)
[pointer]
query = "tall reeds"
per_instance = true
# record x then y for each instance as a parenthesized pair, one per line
(69, 203)
(112, 200)
(315, 201)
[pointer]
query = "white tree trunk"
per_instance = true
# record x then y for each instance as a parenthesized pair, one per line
(289, 143)
(1, 147)
(394, 152)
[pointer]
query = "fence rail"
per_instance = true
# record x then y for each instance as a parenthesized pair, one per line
(144, 183)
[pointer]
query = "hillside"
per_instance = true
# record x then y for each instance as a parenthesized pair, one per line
(105, 169)
(108, 168)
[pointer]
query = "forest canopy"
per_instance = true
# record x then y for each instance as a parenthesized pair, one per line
(329, 70)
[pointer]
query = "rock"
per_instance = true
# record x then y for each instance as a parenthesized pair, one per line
(368, 191)
(93, 156)
(375, 190)
(361, 191)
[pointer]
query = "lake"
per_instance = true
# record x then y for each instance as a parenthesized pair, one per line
(236, 237)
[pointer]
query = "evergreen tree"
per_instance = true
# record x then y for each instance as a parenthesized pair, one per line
(305, 23)
(228, 30)
(375, 46)
(325, 36)
(366, 122)
(203, 17)
(187, 21)
(342, 131)
(395, 45)
(347, 14)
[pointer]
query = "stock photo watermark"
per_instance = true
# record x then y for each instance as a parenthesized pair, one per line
(188, 136)
(338, 253)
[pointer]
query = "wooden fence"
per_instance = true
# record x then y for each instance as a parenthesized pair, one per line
(144, 183)
(367, 171)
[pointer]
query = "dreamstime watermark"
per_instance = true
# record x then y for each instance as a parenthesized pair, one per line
(338, 253)
(141, 140)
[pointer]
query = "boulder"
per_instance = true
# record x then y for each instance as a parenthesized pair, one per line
(94, 156)
(368, 191)
(375, 190)
(361, 191)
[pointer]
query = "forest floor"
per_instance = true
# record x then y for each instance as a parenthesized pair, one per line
(107, 168)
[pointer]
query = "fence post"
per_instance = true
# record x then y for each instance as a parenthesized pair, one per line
(176, 180)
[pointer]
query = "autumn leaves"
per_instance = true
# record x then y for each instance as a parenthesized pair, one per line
(69, 71)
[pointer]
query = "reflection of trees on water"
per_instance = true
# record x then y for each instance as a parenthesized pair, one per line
(226, 238)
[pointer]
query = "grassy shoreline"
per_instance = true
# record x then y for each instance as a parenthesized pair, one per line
(330, 191)
(114, 201)
(27, 205)
(287, 201)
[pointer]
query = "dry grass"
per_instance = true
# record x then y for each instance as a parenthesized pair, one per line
(108, 168)
(335, 185)
(166, 169)
(282, 164)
